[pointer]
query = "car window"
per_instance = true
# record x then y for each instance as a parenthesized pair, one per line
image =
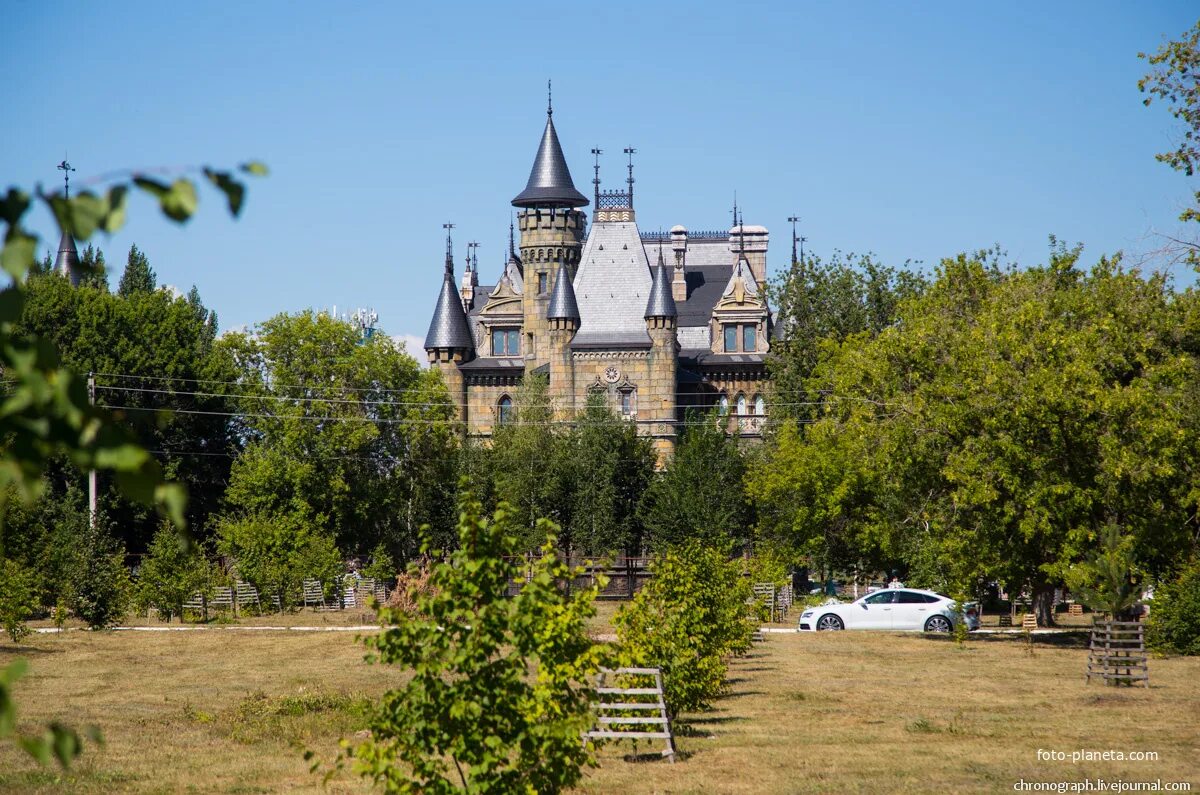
(930, 598)
(881, 598)
(911, 598)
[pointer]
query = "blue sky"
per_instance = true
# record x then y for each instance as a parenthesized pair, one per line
(911, 130)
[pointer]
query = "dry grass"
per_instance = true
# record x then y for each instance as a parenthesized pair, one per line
(223, 711)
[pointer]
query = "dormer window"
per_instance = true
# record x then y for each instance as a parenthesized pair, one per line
(506, 342)
(744, 333)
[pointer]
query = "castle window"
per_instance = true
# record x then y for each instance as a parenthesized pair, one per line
(741, 404)
(504, 410)
(730, 338)
(749, 341)
(506, 342)
(628, 398)
(724, 404)
(760, 406)
(541, 282)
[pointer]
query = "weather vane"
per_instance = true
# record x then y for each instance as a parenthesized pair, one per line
(66, 169)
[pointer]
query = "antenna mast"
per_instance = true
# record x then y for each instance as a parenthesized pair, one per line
(794, 219)
(596, 181)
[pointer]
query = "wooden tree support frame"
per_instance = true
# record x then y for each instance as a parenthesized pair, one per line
(632, 713)
(1117, 653)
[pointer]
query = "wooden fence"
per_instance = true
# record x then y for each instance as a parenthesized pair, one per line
(1117, 653)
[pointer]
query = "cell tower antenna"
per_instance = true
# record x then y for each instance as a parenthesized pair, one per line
(66, 169)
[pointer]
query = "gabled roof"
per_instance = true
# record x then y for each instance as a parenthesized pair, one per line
(612, 287)
(449, 328)
(550, 182)
(562, 301)
(67, 261)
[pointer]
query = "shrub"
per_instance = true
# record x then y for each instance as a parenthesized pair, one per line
(686, 620)
(16, 599)
(99, 588)
(499, 693)
(171, 572)
(381, 568)
(1175, 614)
(277, 554)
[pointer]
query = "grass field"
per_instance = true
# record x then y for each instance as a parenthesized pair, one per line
(232, 711)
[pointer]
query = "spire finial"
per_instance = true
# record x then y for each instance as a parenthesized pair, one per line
(66, 169)
(512, 241)
(449, 249)
(549, 100)
(629, 150)
(596, 181)
(793, 220)
(660, 239)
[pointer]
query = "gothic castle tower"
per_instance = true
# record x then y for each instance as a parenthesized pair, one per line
(552, 231)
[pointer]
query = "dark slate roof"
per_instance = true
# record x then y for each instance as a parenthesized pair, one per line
(661, 303)
(550, 182)
(704, 287)
(494, 363)
(562, 300)
(67, 261)
(704, 358)
(449, 328)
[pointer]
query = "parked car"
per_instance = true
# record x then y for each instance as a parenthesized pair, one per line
(895, 609)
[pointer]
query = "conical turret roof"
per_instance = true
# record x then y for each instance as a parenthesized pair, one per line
(550, 182)
(449, 327)
(67, 261)
(661, 302)
(562, 300)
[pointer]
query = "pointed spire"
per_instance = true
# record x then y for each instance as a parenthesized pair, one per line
(512, 242)
(550, 182)
(67, 262)
(562, 301)
(662, 302)
(449, 327)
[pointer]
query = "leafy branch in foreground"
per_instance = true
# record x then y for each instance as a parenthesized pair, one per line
(44, 408)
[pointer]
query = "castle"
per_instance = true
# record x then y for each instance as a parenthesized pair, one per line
(660, 324)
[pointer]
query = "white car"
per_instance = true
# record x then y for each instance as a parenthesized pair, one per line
(892, 608)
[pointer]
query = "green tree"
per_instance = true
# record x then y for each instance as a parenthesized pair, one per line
(1107, 581)
(608, 468)
(499, 693)
(16, 599)
(1175, 80)
(171, 571)
(688, 618)
(343, 433)
(95, 272)
(823, 302)
(700, 496)
(138, 276)
(100, 589)
(160, 348)
(276, 553)
(1174, 626)
(530, 461)
(1003, 418)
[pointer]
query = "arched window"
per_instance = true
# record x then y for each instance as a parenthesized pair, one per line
(760, 406)
(741, 404)
(723, 405)
(504, 410)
